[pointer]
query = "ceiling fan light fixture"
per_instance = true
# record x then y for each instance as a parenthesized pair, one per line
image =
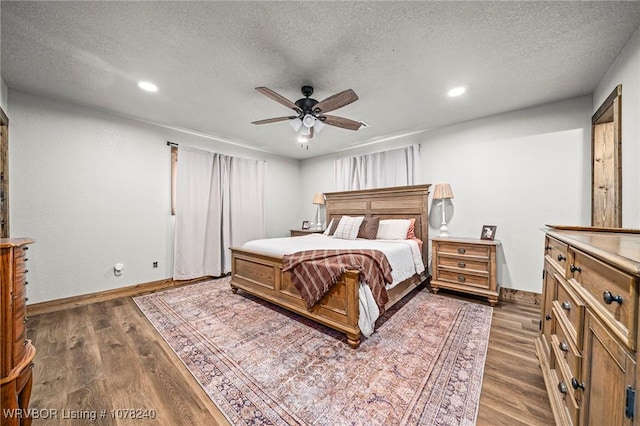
(295, 123)
(308, 120)
(302, 139)
(305, 131)
(319, 125)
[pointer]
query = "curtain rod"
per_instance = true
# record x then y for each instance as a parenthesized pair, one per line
(171, 143)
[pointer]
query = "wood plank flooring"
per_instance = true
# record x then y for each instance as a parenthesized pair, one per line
(107, 356)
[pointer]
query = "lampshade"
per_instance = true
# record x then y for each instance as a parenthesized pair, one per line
(318, 199)
(442, 191)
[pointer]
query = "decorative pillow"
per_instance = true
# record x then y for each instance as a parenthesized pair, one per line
(393, 229)
(411, 233)
(328, 230)
(348, 227)
(333, 225)
(369, 228)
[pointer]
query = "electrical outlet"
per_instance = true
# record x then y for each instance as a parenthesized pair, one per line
(155, 264)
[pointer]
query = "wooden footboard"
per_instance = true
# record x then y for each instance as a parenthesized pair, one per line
(261, 275)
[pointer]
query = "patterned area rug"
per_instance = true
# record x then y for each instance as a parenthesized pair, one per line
(262, 365)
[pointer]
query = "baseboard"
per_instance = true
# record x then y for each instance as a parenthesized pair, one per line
(86, 299)
(520, 296)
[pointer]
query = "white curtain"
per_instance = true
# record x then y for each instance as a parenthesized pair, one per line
(220, 203)
(398, 167)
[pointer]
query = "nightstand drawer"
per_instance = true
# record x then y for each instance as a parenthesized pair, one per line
(464, 264)
(463, 249)
(461, 278)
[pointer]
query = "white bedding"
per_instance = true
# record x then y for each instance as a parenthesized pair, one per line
(404, 256)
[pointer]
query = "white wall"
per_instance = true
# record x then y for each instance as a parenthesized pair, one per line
(93, 189)
(518, 171)
(626, 71)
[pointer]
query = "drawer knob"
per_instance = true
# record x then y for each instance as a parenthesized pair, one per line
(609, 298)
(24, 321)
(561, 258)
(462, 265)
(547, 317)
(26, 298)
(576, 384)
(26, 258)
(26, 282)
(562, 387)
(575, 268)
(461, 279)
(25, 248)
(547, 248)
(461, 251)
(566, 305)
(24, 343)
(564, 347)
(26, 270)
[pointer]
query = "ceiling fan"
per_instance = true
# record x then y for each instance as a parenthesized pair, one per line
(310, 114)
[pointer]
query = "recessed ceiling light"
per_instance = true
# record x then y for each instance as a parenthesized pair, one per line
(149, 87)
(457, 91)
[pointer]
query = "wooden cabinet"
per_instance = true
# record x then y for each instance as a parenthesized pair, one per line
(587, 346)
(466, 265)
(17, 351)
(301, 232)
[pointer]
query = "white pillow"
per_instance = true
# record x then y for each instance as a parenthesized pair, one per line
(348, 227)
(326, 231)
(393, 229)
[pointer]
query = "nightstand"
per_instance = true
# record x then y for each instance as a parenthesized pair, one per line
(301, 232)
(467, 266)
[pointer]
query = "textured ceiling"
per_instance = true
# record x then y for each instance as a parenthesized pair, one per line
(399, 57)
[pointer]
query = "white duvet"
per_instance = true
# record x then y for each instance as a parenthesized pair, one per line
(404, 256)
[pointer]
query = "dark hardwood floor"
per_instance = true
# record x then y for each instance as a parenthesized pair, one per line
(107, 356)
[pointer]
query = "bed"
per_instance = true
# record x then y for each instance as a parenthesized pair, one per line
(260, 273)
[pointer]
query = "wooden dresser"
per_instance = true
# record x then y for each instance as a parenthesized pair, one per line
(588, 343)
(465, 265)
(17, 352)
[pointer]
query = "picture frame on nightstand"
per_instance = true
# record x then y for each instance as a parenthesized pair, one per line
(306, 224)
(488, 232)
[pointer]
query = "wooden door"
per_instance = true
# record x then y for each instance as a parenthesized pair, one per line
(608, 371)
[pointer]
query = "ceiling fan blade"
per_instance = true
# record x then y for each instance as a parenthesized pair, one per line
(278, 98)
(273, 120)
(345, 123)
(336, 101)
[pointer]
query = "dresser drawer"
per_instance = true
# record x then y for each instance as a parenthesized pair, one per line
(560, 387)
(481, 281)
(556, 251)
(570, 309)
(478, 251)
(464, 264)
(604, 284)
(566, 351)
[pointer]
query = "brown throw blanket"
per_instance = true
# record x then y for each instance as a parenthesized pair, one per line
(314, 272)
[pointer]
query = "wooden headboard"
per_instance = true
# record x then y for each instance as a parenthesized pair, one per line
(398, 202)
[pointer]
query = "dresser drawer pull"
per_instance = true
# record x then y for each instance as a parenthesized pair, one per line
(564, 347)
(26, 270)
(26, 298)
(24, 321)
(575, 268)
(462, 265)
(24, 343)
(461, 251)
(26, 282)
(547, 317)
(609, 298)
(562, 387)
(461, 279)
(26, 258)
(561, 258)
(25, 248)
(32, 365)
(547, 248)
(566, 305)
(576, 384)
